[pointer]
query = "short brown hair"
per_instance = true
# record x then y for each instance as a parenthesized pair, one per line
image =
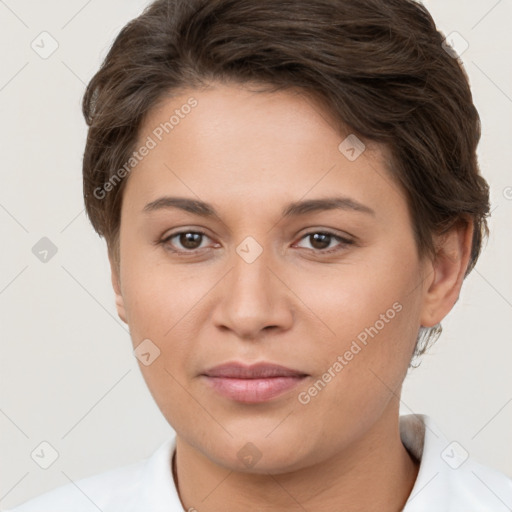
(379, 66)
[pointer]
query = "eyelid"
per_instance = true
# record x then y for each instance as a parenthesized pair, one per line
(328, 231)
(182, 231)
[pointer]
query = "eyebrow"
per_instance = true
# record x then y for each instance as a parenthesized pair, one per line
(294, 209)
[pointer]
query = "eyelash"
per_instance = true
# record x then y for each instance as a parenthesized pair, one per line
(344, 242)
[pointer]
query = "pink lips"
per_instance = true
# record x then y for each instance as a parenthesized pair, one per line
(252, 384)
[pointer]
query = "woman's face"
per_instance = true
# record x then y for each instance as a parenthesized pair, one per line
(250, 285)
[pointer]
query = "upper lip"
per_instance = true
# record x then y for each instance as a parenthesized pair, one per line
(260, 370)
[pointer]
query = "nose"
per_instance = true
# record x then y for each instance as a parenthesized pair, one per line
(253, 299)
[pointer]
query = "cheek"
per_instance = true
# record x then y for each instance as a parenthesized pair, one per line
(160, 296)
(367, 289)
(372, 312)
(161, 307)
(166, 304)
(362, 370)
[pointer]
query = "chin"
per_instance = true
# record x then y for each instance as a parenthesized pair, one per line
(255, 453)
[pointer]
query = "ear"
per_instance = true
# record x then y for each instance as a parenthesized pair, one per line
(453, 250)
(116, 285)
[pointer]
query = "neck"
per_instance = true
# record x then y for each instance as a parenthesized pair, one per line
(376, 473)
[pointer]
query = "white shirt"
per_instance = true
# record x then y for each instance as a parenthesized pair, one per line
(448, 481)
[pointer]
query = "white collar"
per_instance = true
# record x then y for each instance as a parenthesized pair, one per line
(449, 479)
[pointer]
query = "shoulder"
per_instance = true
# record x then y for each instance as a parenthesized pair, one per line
(449, 479)
(90, 494)
(482, 487)
(123, 488)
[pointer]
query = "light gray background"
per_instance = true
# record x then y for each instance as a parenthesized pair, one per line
(68, 375)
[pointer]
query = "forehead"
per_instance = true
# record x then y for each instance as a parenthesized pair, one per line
(228, 142)
(243, 114)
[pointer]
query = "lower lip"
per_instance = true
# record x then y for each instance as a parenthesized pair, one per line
(253, 390)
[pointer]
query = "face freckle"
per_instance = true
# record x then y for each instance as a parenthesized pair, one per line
(238, 281)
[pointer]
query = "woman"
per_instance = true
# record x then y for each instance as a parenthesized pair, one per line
(291, 200)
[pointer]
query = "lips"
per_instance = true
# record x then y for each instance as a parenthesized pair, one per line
(255, 371)
(252, 383)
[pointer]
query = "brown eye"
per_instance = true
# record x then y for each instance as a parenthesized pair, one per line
(184, 241)
(320, 241)
(190, 240)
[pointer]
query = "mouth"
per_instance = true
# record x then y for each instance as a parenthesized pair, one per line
(256, 383)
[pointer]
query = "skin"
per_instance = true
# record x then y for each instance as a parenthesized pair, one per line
(249, 155)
